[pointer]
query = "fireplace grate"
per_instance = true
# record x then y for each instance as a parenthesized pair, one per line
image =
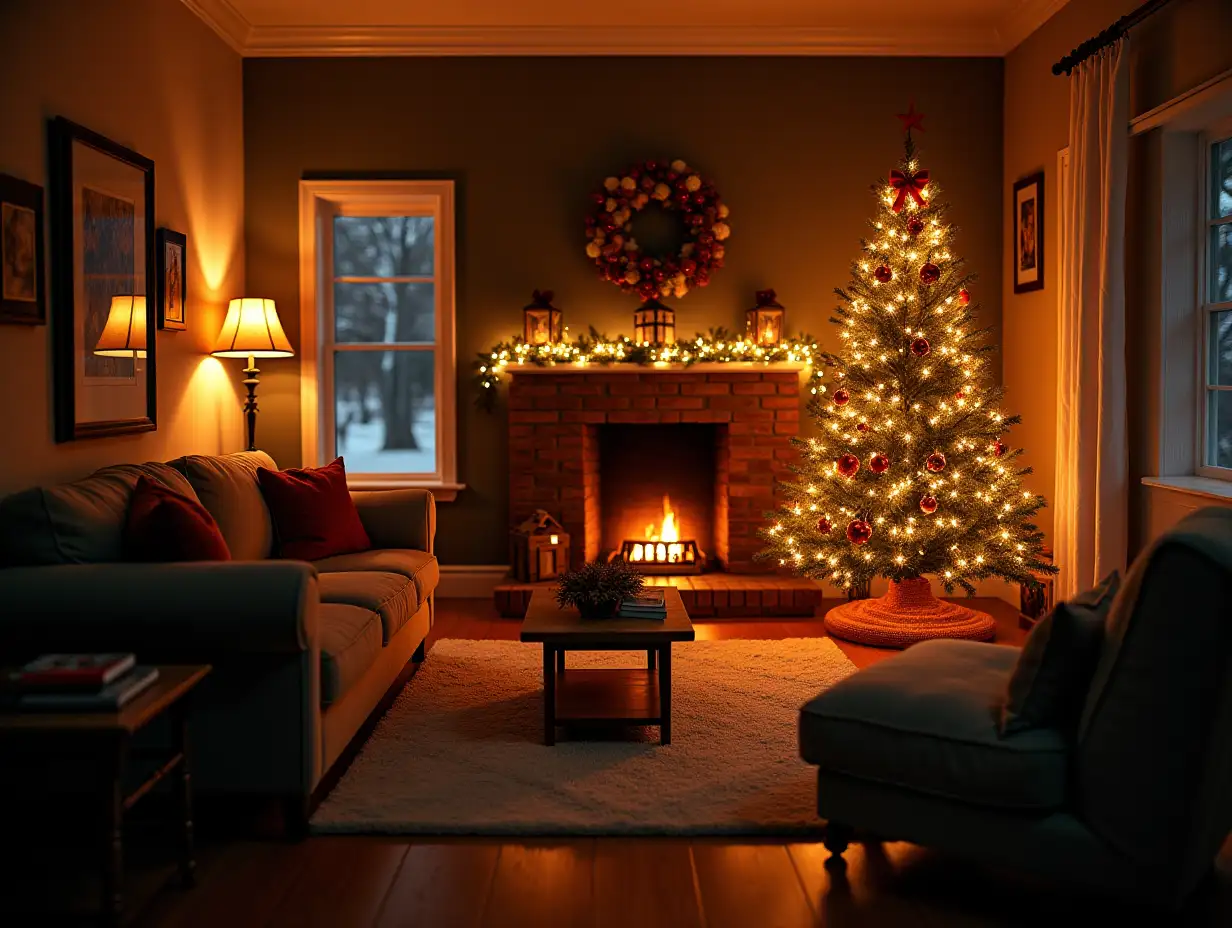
(662, 557)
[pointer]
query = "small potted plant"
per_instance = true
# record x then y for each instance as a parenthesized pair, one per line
(597, 589)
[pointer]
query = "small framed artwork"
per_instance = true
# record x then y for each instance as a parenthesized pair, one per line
(1027, 205)
(103, 266)
(22, 288)
(171, 248)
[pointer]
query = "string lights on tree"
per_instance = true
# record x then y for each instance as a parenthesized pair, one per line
(911, 474)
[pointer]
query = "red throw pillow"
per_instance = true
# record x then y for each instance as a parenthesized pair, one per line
(313, 514)
(165, 525)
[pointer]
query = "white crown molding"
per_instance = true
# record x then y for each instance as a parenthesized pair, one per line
(1021, 22)
(315, 41)
(224, 19)
(290, 41)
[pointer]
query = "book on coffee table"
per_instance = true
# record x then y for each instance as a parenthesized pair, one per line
(72, 671)
(109, 698)
(648, 604)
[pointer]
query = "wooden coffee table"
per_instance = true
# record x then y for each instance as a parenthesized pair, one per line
(606, 697)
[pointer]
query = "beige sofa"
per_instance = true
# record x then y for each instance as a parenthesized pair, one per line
(302, 652)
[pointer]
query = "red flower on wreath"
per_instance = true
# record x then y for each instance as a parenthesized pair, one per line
(675, 187)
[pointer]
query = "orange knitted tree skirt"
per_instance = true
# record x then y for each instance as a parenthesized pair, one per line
(907, 613)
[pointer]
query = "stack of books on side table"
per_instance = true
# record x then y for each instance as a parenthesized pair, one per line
(80, 682)
(648, 604)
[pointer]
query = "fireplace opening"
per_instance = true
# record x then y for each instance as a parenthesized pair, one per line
(657, 495)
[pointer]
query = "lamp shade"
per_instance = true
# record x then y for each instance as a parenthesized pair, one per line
(124, 333)
(252, 330)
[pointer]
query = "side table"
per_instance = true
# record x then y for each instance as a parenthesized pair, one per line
(108, 735)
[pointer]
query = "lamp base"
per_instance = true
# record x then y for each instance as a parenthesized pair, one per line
(250, 405)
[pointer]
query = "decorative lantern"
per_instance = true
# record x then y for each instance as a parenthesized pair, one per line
(764, 322)
(539, 549)
(1035, 600)
(654, 323)
(543, 321)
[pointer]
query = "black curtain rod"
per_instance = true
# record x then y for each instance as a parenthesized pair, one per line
(1097, 43)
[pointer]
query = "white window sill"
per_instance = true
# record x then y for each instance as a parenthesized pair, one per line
(1207, 487)
(442, 492)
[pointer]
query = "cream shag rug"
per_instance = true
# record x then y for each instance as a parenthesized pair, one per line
(461, 750)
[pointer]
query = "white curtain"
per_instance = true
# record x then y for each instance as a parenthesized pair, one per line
(1092, 469)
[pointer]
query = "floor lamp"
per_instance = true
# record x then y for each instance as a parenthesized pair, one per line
(252, 330)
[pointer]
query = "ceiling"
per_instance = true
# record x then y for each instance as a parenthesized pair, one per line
(296, 28)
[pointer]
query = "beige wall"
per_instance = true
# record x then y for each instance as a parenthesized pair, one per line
(793, 145)
(1176, 49)
(150, 75)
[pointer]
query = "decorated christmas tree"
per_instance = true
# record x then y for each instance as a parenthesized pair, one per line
(911, 475)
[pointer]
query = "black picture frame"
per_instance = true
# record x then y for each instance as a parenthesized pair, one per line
(97, 181)
(171, 288)
(23, 284)
(1027, 208)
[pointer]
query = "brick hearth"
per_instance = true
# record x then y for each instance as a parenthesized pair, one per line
(555, 413)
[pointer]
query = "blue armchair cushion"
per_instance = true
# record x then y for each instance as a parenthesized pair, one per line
(1049, 684)
(926, 721)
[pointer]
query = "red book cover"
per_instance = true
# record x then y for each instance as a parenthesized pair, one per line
(74, 670)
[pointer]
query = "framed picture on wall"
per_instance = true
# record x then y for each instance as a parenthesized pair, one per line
(1027, 206)
(102, 262)
(171, 248)
(22, 288)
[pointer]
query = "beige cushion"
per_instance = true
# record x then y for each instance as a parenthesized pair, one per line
(391, 596)
(350, 642)
(80, 522)
(227, 486)
(419, 567)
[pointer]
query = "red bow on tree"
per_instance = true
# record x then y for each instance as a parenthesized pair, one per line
(908, 184)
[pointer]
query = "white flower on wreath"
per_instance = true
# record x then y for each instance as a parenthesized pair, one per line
(665, 288)
(662, 191)
(722, 211)
(632, 276)
(693, 183)
(679, 166)
(628, 183)
(611, 183)
(718, 251)
(610, 205)
(640, 200)
(721, 230)
(593, 250)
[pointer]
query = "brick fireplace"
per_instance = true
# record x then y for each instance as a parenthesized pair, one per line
(557, 418)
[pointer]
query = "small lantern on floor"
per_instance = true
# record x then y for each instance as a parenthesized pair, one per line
(539, 549)
(543, 321)
(1035, 600)
(764, 322)
(654, 323)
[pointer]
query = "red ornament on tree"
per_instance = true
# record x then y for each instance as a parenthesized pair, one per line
(960, 395)
(824, 526)
(883, 274)
(920, 347)
(928, 504)
(998, 448)
(915, 225)
(879, 463)
(863, 427)
(841, 397)
(964, 297)
(859, 531)
(930, 273)
(848, 465)
(935, 462)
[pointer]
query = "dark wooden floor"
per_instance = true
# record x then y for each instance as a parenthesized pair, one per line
(617, 882)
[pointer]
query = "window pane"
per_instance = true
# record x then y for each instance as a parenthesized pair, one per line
(385, 411)
(384, 313)
(384, 246)
(1221, 263)
(1219, 346)
(1221, 178)
(1219, 428)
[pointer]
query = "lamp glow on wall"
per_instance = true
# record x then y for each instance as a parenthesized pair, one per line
(123, 334)
(252, 330)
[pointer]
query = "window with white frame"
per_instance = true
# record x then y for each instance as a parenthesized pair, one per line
(1215, 318)
(377, 319)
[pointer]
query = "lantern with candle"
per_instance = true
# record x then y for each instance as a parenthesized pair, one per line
(654, 324)
(539, 548)
(764, 322)
(543, 321)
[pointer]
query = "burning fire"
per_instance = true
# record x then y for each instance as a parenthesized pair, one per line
(663, 546)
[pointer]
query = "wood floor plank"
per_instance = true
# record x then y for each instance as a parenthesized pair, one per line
(647, 882)
(441, 885)
(862, 894)
(749, 884)
(543, 883)
(344, 882)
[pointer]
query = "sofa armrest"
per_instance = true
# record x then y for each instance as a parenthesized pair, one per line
(398, 518)
(188, 609)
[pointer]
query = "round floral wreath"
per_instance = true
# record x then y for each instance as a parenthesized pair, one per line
(674, 186)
